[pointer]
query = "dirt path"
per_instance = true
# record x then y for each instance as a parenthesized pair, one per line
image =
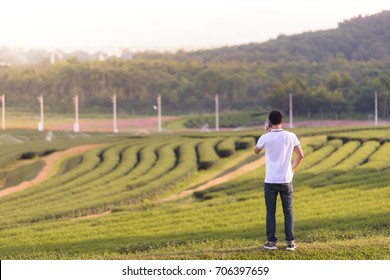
(48, 169)
(222, 179)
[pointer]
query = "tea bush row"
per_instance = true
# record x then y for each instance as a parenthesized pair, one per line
(334, 158)
(207, 155)
(320, 154)
(358, 157)
(110, 175)
(226, 147)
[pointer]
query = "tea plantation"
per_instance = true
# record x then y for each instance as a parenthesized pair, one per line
(109, 201)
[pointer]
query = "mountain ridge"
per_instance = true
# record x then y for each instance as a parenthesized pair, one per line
(360, 38)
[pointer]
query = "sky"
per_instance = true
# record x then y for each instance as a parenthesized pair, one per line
(167, 25)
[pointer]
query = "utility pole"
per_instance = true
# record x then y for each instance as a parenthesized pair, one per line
(41, 126)
(76, 125)
(291, 109)
(3, 111)
(216, 112)
(114, 113)
(376, 108)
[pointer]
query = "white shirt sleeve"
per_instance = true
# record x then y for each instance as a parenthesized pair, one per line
(261, 143)
(296, 141)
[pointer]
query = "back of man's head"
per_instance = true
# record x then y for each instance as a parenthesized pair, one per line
(275, 118)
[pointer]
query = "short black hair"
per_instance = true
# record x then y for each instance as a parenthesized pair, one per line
(275, 117)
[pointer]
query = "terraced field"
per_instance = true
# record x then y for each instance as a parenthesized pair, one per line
(110, 200)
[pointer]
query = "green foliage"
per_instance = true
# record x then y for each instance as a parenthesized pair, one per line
(165, 161)
(341, 203)
(245, 143)
(320, 154)
(313, 143)
(333, 159)
(207, 155)
(123, 172)
(226, 147)
(327, 168)
(229, 120)
(380, 160)
(184, 89)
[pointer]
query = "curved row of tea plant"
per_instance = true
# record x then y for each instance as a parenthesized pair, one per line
(346, 219)
(373, 170)
(333, 159)
(226, 147)
(108, 175)
(334, 222)
(319, 155)
(345, 163)
(29, 149)
(12, 153)
(207, 154)
(58, 194)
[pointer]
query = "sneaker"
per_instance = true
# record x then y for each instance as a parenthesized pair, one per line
(291, 247)
(270, 245)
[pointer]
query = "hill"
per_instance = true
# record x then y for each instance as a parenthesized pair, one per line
(360, 38)
(333, 71)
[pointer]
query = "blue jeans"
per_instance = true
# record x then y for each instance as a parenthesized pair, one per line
(286, 194)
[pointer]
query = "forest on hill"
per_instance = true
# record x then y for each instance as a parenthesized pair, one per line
(359, 38)
(334, 71)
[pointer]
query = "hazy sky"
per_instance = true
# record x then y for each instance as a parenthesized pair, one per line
(167, 24)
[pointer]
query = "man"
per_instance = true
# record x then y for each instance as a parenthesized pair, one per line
(279, 146)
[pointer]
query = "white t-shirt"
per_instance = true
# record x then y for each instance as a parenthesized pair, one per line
(279, 147)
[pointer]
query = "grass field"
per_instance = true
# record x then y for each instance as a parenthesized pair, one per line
(110, 200)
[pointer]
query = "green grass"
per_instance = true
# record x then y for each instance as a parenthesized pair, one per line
(227, 119)
(341, 194)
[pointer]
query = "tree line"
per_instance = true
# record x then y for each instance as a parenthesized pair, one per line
(337, 85)
(331, 71)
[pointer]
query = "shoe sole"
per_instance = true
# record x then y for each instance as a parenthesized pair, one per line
(270, 248)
